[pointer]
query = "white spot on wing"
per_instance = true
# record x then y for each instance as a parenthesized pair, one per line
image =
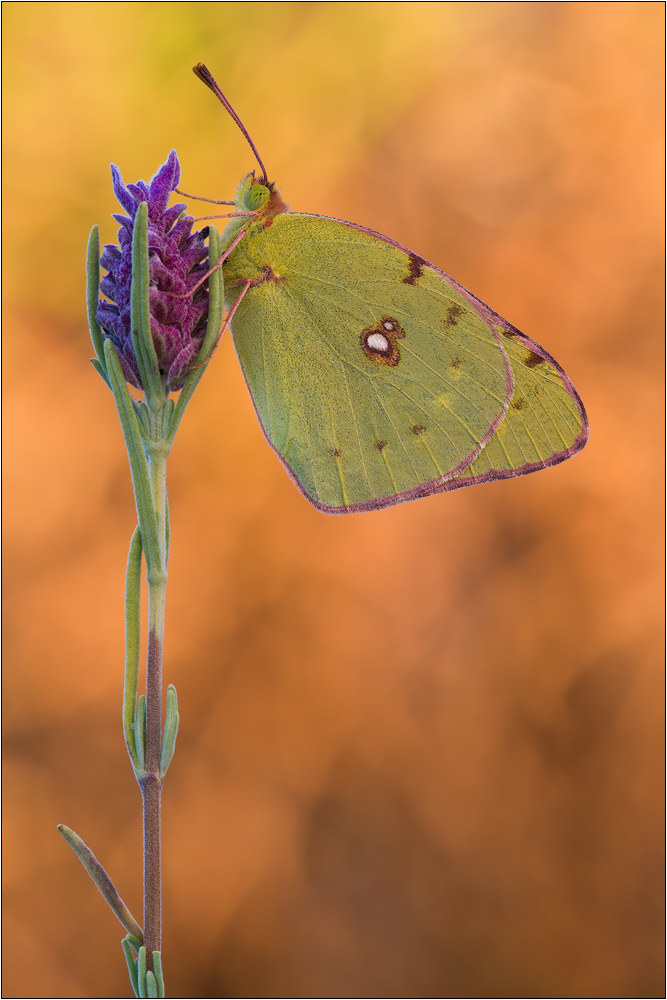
(377, 342)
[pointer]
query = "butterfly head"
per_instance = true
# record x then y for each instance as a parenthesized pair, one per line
(254, 195)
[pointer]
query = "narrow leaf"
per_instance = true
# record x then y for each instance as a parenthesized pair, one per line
(215, 310)
(140, 731)
(137, 457)
(141, 972)
(101, 880)
(97, 365)
(167, 414)
(132, 645)
(131, 962)
(93, 294)
(167, 529)
(215, 297)
(157, 965)
(140, 309)
(170, 730)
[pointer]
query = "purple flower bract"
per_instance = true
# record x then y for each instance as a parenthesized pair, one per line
(178, 258)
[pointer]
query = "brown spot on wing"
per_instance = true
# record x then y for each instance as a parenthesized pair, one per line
(417, 428)
(416, 269)
(335, 452)
(390, 330)
(518, 404)
(532, 360)
(380, 445)
(266, 273)
(456, 363)
(453, 314)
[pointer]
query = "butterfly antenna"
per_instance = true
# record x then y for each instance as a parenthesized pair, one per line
(206, 77)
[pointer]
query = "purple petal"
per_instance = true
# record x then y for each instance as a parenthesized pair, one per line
(181, 231)
(171, 215)
(111, 250)
(140, 192)
(121, 192)
(182, 360)
(163, 183)
(130, 371)
(123, 220)
(108, 288)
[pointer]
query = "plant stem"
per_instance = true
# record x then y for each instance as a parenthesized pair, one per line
(150, 781)
(151, 790)
(132, 651)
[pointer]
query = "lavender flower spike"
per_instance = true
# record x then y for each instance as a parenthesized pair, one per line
(178, 258)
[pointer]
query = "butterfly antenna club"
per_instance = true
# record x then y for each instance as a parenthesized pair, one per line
(201, 71)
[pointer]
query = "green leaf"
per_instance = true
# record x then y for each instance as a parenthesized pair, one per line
(144, 415)
(137, 457)
(93, 297)
(141, 972)
(140, 311)
(170, 730)
(215, 311)
(215, 297)
(157, 965)
(167, 414)
(99, 368)
(101, 880)
(132, 647)
(139, 728)
(167, 527)
(131, 962)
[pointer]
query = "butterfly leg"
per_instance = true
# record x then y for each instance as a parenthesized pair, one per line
(215, 267)
(197, 197)
(228, 320)
(227, 215)
(212, 201)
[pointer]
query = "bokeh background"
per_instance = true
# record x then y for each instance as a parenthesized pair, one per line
(420, 749)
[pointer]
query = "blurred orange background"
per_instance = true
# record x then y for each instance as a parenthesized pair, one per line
(420, 749)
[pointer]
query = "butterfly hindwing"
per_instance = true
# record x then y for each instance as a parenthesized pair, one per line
(374, 378)
(545, 424)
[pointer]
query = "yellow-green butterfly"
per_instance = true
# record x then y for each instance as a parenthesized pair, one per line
(375, 376)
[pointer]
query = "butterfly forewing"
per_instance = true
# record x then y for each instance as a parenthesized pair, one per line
(545, 424)
(375, 378)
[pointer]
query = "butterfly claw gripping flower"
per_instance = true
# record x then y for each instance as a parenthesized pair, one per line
(177, 261)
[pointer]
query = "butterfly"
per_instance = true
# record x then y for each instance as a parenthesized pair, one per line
(375, 376)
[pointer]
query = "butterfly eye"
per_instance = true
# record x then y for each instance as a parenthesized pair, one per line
(257, 196)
